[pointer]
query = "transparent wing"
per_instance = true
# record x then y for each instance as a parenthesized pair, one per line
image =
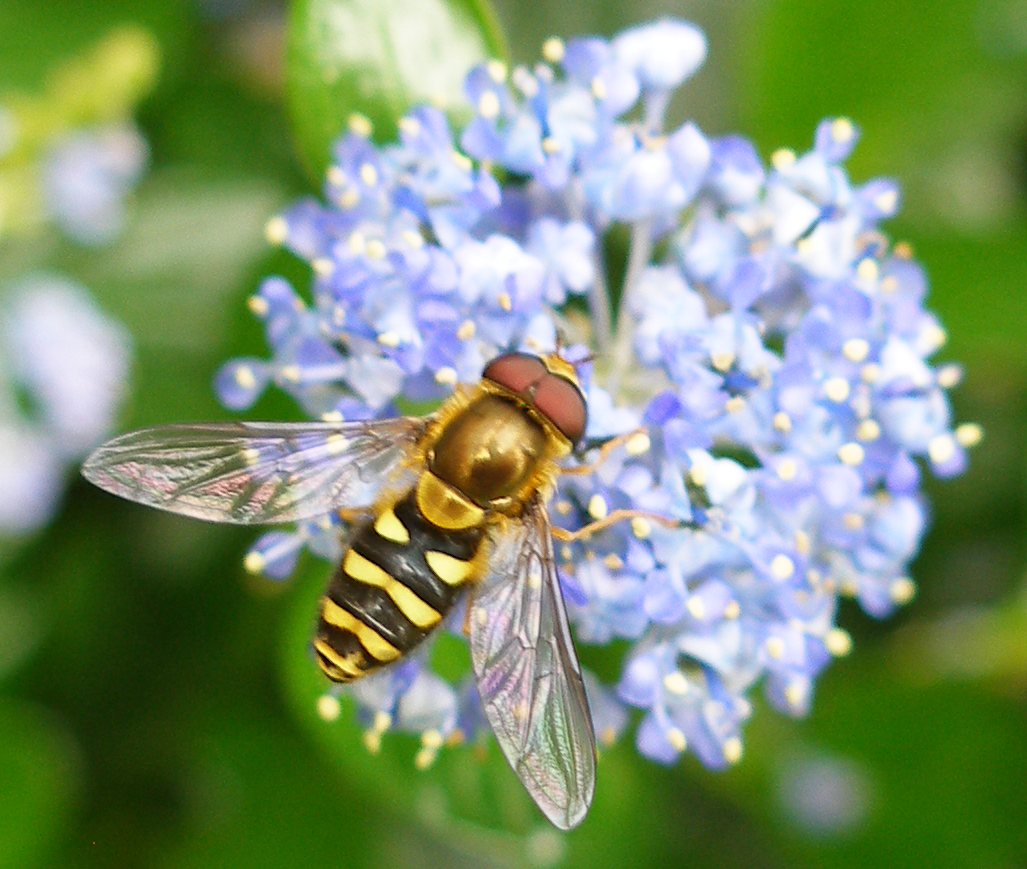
(248, 472)
(528, 673)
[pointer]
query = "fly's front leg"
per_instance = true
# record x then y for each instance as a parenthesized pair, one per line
(634, 442)
(642, 521)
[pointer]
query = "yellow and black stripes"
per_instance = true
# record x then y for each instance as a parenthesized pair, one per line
(399, 578)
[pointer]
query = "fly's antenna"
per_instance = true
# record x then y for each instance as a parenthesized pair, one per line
(591, 357)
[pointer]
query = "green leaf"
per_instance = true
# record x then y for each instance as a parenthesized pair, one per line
(21, 623)
(39, 783)
(379, 58)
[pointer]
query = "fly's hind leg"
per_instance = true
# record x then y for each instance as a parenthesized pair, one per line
(635, 443)
(352, 516)
(641, 521)
(469, 602)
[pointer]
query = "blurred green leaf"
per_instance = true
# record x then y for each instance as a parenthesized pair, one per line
(379, 58)
(39, 783)
(34, 37)
(256, 795)
(21, 627)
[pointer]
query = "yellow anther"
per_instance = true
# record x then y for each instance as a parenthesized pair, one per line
(676, 682)
(787, 469)
(360, 125)
(323, 266)
(902, 590)
(868, 270)
(851, 454)
(276, 230)
(677, 739)
(446, 376)
(837, 389)
(795, 694)
(842, 130)
(254, 562)
(496, 70)
(838, 642)
(781, 566)
(856, 349)
(722, 361)
(638, 444)
(733, 749)
(245, 377)
(641, 527)
(941, 448)
(803, 543)
(328, 707)
(696, 607)
(369, 174)
(869, 430)
(553, 49)
(854, 521)
(969, 434)
(949, 376)
(258, 306)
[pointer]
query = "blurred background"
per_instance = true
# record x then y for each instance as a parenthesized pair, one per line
(157, 702)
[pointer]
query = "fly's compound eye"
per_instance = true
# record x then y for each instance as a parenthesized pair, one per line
(518, 372)
(562, 402)
(555, 396)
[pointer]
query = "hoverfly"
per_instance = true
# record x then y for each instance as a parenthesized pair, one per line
(448, 505)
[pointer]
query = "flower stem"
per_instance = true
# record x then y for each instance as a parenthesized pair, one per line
(599, 304)
(638, 260)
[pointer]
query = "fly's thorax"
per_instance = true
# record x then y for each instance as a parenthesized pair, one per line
(494, 449)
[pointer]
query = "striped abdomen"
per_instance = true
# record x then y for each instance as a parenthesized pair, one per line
(399, 578)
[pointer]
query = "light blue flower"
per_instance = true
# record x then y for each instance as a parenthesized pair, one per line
(87, 176)
(64, 368)
(769, 337)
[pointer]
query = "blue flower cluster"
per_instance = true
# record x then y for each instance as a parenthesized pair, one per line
(64, 367)
(776, 353)
(87, 177)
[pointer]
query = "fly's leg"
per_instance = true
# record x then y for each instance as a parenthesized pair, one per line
(467, 612)
(635, 442)
(640, 519)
